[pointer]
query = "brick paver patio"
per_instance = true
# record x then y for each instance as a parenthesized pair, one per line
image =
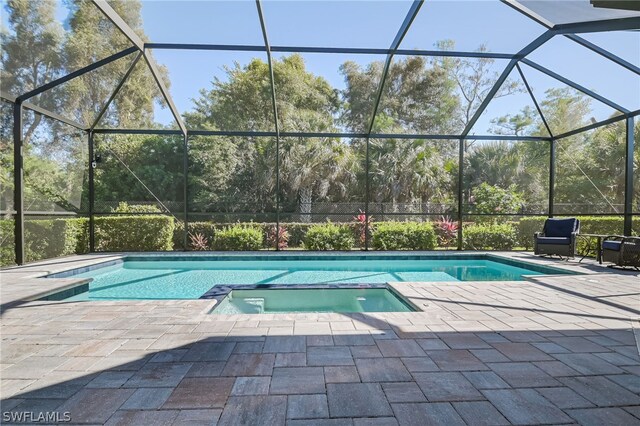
(552, 350)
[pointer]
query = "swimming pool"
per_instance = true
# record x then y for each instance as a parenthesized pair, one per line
(190, 277)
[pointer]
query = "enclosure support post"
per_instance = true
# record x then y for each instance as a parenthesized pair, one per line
(460, 191)
(185, 191)
(552, 176)
(367, 184)
(92, 194)
(277, 237)
(628, 177)
(18, 174)
(274, 104)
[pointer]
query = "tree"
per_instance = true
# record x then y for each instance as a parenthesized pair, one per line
(315, 168)
(31, 53)
(565, 109)
(93, 37)
(517, 124)
(155, 160)
(594, 177)
(38, 50)
(489, 199)
(474, 79)
(309, 168)
(519, 165)
(418, 97)
(412, 171)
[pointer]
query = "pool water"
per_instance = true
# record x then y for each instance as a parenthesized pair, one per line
(313, 300)
(190, 278)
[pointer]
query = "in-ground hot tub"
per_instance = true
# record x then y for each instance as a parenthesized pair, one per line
(311, 300)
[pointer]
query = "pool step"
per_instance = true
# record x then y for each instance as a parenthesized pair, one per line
(254, 304)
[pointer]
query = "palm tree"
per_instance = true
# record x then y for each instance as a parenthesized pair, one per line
(410, 171)
(314, 168)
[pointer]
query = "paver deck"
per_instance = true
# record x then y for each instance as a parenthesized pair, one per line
(551, 350)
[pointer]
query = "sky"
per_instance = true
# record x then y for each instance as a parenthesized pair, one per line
(374, 24)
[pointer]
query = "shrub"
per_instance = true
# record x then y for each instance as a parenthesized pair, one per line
(446, 231)
(606, 225)
(50, 238)
(403, 236)
(362, 226)
(491, 236)
(282, 238)
(238, 237)
(526, 227)
(329, 237)
(7, 245)
(124, 207)
(209, 230)
(69, 236)
(199, 242)
(134, 233)
(206, 229)
(295, 230)
(493, 199)
(45, 239)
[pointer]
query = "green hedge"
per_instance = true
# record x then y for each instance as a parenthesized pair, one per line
(50, 238)
(403, 236)
(491, 236)
(74, 237)
(329, 237)
(7, 248)
(296, 231)
(134, 233)
(238, 237)
(45, 239)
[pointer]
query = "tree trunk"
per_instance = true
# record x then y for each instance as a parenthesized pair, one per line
(305, 204)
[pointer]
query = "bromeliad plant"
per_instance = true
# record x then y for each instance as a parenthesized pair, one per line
(447, 231)
(362, 224)
(198, 241)
(282, 237)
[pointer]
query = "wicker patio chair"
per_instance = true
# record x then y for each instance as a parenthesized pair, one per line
(558, 237)
(622, 251)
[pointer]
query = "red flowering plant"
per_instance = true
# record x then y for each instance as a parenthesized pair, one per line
(362, 224)
(447, 231)
(281, 234)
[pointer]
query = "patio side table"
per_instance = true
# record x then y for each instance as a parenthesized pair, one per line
(590, 245)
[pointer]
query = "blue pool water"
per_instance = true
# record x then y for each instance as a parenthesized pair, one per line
(190, 278)
(313, 300)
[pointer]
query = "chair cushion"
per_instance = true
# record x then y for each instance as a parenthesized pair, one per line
(612, 245)
(560, 227)
(554, 240)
